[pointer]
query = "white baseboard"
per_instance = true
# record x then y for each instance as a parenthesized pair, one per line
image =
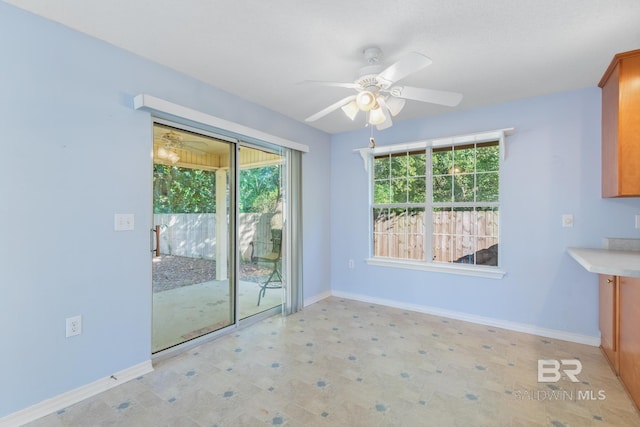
(64, 400)
(316, 298)
(481, 320)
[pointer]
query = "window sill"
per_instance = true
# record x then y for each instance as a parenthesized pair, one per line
(461, 269)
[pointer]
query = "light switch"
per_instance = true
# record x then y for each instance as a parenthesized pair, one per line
(123, 222)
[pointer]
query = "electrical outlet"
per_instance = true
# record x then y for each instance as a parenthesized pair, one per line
(74, 326)
(351, 264)
(567, 220)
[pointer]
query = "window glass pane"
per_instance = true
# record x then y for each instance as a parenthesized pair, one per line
(418, 164)
(464, 159)
(488, 187)
(382, 191)
(417, 188)
(442, 161)
(415, 233)
(463, 248)
(398, 220)
(397, 228)
(380, 234)
(399, 233)
(399, 190)
(399, 165)
(442, 186)
(380, 215)
(381, 244)
(488, 157)
(488, 224)
(463, 234)
(463, 190)
(466, 235)
(381, 167)
(441, 238)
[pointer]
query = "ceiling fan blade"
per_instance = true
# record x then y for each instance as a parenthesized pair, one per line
(333, 84)
(450, 99)
(406, 65)
(330, 108)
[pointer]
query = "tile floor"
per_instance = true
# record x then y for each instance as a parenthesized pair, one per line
(347, 363)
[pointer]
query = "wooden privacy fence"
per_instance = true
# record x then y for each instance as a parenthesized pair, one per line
(194, 235)
(455, 234)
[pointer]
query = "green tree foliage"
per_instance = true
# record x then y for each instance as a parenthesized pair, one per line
(259, 189)
(183, 190)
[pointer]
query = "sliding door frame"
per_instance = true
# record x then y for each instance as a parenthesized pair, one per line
(292, 300)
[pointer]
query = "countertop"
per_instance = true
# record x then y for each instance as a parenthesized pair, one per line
(607, 261)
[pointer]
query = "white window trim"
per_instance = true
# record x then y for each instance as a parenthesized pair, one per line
(479, 137)
(460, 269)
(368, 154)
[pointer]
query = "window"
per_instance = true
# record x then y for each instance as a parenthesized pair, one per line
(437, 203)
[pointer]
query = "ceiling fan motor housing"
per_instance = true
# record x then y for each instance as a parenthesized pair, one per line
(369, 82)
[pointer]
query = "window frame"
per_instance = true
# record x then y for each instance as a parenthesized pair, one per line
(368, 155)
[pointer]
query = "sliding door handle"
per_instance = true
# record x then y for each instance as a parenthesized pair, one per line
(154, 240)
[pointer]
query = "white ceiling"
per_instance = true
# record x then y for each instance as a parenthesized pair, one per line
(491, 51)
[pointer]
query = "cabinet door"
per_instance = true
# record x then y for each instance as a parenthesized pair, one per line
(620, 126)
(630, 336)
(610, 98)
(608, 290)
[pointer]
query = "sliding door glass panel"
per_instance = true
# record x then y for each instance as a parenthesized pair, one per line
(262, 228)
(193, 291)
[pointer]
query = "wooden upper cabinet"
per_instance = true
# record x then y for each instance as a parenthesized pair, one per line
(621, 126)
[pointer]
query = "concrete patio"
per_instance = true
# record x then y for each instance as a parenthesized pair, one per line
(187, 312)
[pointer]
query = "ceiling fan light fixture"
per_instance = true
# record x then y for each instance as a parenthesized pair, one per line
(173, 158)
(351, 109)
(170, 155)
(366, 100)
(376, 116)
(163, 153)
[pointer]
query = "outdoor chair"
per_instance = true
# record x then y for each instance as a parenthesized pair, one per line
(273, 258)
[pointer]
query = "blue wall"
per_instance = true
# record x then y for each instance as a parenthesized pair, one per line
(74, 152)
(552, 168)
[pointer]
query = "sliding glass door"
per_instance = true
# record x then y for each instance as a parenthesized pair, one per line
(262, 229)
(193, 292)
(220, 233)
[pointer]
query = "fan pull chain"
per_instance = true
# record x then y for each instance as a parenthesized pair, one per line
(372, 142)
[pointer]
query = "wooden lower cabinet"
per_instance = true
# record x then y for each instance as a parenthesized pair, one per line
(609, 326)
(629, 337)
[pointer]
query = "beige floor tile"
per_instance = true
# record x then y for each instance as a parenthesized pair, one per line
(347, 363)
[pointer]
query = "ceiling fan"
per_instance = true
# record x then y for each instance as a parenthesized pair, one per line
(377, 92)
(172, 141)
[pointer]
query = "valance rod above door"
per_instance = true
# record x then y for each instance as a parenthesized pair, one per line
(168, 110)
